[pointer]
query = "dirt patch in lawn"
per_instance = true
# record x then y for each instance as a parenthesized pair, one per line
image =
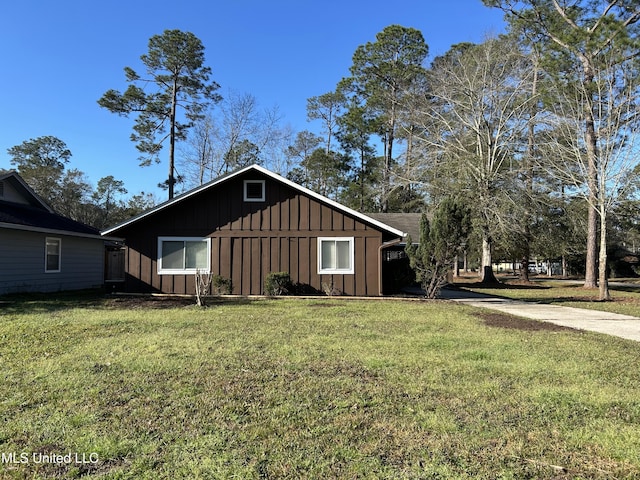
(149, 302)
(161, 302)
(326, 304)
(500, 320)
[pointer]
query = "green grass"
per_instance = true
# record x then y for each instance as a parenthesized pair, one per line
(324, 388)
(625, 298)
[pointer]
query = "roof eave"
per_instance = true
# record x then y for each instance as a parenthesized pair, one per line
(54, 231)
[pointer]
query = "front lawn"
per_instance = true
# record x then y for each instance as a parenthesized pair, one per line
(325, 388)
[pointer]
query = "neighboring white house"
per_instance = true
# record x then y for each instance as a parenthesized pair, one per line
(41, 251)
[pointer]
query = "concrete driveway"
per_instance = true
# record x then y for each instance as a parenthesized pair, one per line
(624, 326)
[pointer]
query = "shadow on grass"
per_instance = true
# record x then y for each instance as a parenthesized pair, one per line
(29, 303)
(625, 288)
(501, 320)
(489, 289)
(50, 302)
(563, 300)
(500, 286)
(552, 294)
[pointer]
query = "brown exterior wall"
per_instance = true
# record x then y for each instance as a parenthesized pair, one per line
(251, 239)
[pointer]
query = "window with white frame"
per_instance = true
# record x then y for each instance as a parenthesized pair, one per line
(254, 191)
(52, 255)
(335, 255)
(180, 255)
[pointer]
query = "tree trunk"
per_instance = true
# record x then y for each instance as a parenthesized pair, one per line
(362, 160)
(487, 264)
(388, 157)
(592, 237)
(486, 251)
(172, 139)
(528, 182)
(384, 200)
(524, 265)
(592, 180)
(603, 283)
(386, 172)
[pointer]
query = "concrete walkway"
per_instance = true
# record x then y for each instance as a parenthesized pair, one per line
(624, 326)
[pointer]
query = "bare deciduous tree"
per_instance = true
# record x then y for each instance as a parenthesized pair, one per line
(616, 131)
(217, 139)
(475, 118)
(575, 36)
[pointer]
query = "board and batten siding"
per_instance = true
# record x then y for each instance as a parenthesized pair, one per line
(22, 263)
(251, 239)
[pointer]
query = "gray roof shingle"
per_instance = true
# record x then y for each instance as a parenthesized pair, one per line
(406, 222)
(29, 216)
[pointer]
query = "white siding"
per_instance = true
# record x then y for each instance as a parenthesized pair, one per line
(22, 263)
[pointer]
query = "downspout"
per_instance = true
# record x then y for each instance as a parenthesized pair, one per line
(385, 245)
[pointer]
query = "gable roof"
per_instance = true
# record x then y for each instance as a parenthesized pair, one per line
(274, 176)
(26, 217)
(24, 190)
(35, 215)
(407, 222)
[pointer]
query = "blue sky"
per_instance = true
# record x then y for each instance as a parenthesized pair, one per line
(58, 58)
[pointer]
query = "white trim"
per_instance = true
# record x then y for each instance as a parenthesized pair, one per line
(246, 198)
(46, 254)
(53, 231)
(183, 271)
(337, 271)
(272, 175)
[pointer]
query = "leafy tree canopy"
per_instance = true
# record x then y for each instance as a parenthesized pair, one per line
(41, 162)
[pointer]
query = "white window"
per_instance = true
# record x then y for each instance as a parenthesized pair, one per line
(254, 190)
(180, 255)
(335, 255)
(52, 255)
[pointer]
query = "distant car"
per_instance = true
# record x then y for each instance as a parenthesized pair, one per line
(537, 268)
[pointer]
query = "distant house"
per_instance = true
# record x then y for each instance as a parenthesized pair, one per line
(247, 224)
(41, 251)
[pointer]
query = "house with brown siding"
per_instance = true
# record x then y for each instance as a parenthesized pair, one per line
(247, 224)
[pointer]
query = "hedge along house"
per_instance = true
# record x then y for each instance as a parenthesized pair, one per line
(247, 224)
(41, 251)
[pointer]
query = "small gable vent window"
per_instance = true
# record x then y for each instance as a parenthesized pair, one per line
(254, 190)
